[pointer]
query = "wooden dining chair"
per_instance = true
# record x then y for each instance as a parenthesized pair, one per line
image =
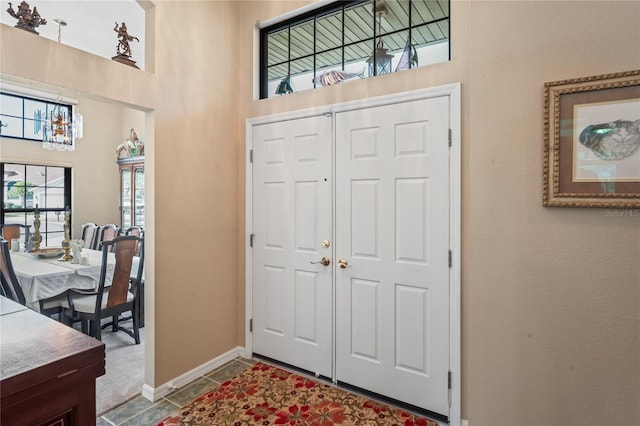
(111, 298)
(138, 231)
(134, 277)
(105, 233)
(10, 285)
(9, 231)
(11, 288)
(88, 236)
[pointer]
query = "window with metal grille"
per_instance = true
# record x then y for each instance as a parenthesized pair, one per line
(26, 187)
(352, 39)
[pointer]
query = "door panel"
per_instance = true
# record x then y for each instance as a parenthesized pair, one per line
(292, 307)
(392, 222)
(391, 209)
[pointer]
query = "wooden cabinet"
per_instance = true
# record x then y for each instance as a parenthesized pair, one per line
(131, 191)
(48, 370)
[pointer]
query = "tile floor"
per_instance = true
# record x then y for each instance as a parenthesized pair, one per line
(139, 411)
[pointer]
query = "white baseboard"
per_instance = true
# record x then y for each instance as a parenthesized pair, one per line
(154, 394)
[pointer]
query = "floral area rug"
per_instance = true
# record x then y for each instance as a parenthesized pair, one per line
(267, 395)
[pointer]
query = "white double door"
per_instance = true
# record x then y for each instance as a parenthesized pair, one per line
(377, 315)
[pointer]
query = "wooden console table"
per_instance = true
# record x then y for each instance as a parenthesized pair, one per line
(48, 370)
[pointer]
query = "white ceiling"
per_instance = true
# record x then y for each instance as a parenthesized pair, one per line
(90, 24)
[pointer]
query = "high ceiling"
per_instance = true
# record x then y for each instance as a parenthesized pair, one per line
(89, 24)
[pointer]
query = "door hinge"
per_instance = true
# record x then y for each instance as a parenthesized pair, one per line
(251, 326)
(251, 154)
(251, 237)
(449, 138)
(450, 259)
(449, 380)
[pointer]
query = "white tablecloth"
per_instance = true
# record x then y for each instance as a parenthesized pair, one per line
(45, 278)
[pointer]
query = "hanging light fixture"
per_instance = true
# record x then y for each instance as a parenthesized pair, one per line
(380, 61)
(61, 24)
(57, 129)
(61, 128)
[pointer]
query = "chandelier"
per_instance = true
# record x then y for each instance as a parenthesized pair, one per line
(61, 128)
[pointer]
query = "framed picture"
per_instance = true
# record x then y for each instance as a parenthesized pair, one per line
(592, 141)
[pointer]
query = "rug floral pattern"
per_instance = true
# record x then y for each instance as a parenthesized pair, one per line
(267, 395)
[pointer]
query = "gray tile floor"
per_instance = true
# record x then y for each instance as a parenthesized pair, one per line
(139, 411)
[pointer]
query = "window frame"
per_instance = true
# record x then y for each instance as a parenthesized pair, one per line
(314, 15)
(25, 210)
(24, 120)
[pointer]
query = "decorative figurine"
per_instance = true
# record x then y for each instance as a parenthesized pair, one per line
(123, 50)
(131, 147)
(66, 243)
(37, 238)
(330, 77)
(76, 250)
(408, 58)
(285, 86)
(27, 20)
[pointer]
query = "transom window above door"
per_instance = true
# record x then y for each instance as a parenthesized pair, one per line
(348, 40)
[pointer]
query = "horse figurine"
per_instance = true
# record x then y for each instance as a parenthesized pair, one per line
(132, 146)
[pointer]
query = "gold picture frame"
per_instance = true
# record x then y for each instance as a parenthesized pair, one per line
(592, 141)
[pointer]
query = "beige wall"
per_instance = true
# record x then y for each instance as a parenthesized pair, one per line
(196, 185)
(550, 296)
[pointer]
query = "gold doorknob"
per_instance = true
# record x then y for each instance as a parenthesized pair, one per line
(343, 263)
(324, 261)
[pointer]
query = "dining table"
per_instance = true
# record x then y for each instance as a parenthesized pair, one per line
(42, 277)
(48, 371)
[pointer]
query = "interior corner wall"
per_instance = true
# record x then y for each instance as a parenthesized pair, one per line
(550, 296)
